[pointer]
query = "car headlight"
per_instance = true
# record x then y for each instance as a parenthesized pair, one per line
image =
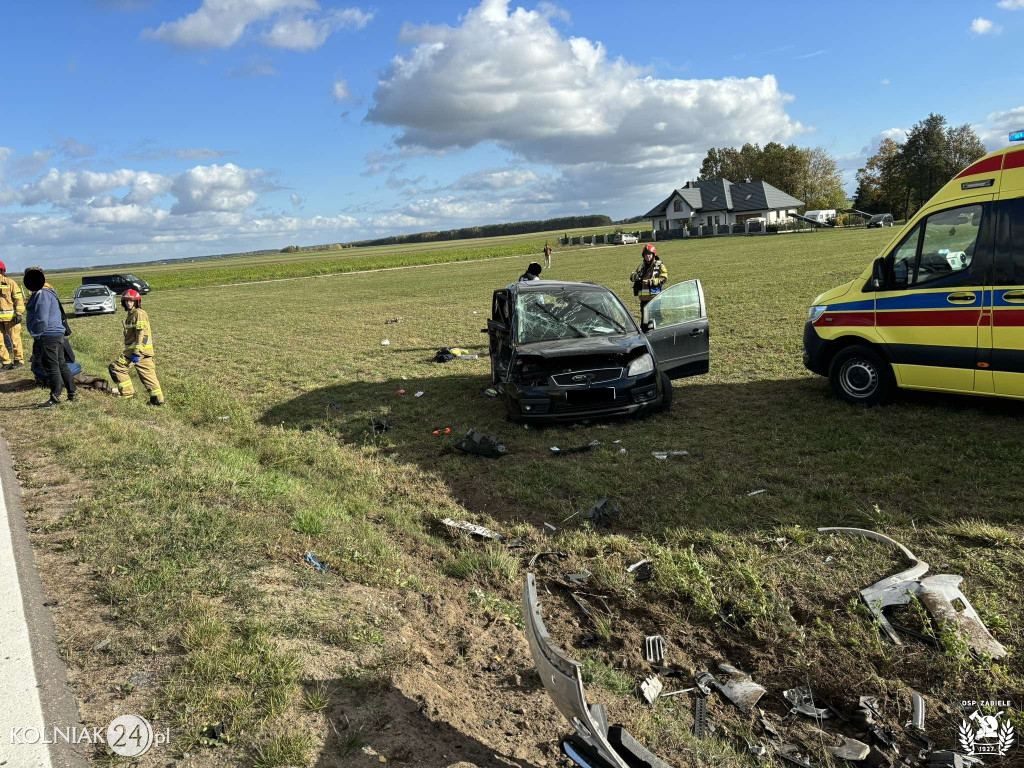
(815, 312)
(640, 366)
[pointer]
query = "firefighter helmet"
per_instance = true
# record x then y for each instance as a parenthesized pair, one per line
(3, 268)
(132, 294)
(651, 250)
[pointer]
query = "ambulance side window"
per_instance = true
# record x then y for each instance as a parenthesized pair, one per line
(1009, 243)
(946, 249)
(904, 259)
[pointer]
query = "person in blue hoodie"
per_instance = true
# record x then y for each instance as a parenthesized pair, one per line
(45, 323)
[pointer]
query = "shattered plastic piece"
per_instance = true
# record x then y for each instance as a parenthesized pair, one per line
(578, 578)
(480, 444)
(385, 342)
(563, 680)
(472, 528)
(917, 711)
(740, 689)
(660, 455)
(549, 526)
(654, 649)
(491, 392)
(651, 689)
(602, 511)
(312, 560)
(418, 394)
(802, 699)
(758, 491)
(705, 681)
(400, 392)
(850, 749)
(791, 754)
(445, 431)
(939, 594)
(380, 426)
(622, 451)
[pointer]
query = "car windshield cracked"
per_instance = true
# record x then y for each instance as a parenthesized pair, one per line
(568, 314)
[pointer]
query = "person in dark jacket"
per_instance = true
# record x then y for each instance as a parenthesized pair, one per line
(45, 323)
(532, 273)
(37, 362)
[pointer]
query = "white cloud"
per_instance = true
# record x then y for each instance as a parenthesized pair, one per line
(1011, 5)
(305, 33)
(995, 130)
(71, 187)
(28, 165)
(496, 179)
(340, 91)
(220, 23)
(298, 25)
(225, 188)
(983, 26)
(885, 82)
(510, 78)
(75, 149)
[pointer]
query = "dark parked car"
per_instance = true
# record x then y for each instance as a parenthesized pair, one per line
(880, 220)
(118, 283)
(571, 351)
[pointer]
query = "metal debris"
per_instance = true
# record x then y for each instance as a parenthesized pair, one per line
(480, 444)
(577, 578)
(418, 394)
(758, 492)
(802, 699)
(740, 689)
(549, 526)
(680, 692)
(791, 754)
(472, 528)
(539, 555)
(917, 711)
(654, 649)
(380, 426)
(651, 688)
(940, 595)
(700, 715)
(850, 749)
(602, 511)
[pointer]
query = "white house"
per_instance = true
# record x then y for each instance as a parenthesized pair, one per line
(719, 201)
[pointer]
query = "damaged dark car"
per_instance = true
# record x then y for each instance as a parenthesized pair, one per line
(572, 351)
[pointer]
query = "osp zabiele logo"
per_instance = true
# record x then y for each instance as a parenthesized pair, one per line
(986, 735)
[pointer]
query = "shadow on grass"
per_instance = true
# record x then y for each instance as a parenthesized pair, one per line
(820, 461)
(380, 719)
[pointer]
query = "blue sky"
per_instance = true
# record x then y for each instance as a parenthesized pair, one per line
(146, 129)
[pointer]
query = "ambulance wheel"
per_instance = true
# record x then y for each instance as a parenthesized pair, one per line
(859, 375)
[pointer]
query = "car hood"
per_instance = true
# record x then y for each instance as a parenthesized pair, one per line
(592, 345)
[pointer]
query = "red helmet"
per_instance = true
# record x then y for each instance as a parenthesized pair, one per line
(649, 249)
(132, 294)
(3, 268)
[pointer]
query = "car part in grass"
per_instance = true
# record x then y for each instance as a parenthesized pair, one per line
(577, 578)
(917, 711)
(603, 511)
(539, 555)
(940, 594)
(700, 715)
(947, 759)
(850, 749)
(472, 528)
(791, 754)
(651, 689)
(480, 444)
(739, 688)
(654, 649)
(642, 570)
(312, 559)
(593, 745)
(379, 426)
(802, 699)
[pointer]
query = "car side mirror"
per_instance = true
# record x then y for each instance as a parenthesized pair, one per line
(878, 274)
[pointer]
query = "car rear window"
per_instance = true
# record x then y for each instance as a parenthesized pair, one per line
(97, 291)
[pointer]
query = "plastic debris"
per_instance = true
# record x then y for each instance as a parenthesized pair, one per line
(443, 431)
(758, 491)
(539, 555)
(622, 451)
(577, 578)
(917, 711)
(739, 688)
(400, 392)
(663, 455)
(602, 511)
(555, 450)
(312, 560)
(802, 699)
(654, 649)
(447, 354)
(651, 688)
(472, 528)
(491, 392)
(385, 343)
(418, 394)
(850, 749)
(380, 426)
(480, 444)
(700, 714)
(550, 526)
(680, 692)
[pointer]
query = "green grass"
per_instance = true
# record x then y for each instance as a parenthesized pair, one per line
(193, 538)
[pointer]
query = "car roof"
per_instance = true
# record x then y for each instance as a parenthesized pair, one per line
(547, 285)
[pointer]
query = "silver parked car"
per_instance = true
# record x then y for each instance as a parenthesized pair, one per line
(94, 300)
(621, 238)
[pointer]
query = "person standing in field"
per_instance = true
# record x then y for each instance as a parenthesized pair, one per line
(138, 351)
(12, 307)
(532, 273)
(45, 321)
(648, 279)
(547, 256)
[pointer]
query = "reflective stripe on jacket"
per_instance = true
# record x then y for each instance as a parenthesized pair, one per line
(654, 275)
(138, 338)
(12, 301)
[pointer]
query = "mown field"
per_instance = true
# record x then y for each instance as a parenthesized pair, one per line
(245, 269)
(179, 534)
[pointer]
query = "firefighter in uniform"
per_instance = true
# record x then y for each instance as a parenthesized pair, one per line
(648, 279)
(138, 351)
(12, 308)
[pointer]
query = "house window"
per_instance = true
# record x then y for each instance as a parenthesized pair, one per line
(677, 206)
(716, 220)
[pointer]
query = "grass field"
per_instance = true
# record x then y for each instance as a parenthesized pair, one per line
(245, 269)
(180, 533)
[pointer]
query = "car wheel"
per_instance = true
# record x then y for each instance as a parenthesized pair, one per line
(859, 375)
(666, 394)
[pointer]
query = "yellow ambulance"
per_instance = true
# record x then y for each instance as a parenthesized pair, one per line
(942, 307)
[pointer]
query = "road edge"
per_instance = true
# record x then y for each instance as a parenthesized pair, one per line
(58, 701)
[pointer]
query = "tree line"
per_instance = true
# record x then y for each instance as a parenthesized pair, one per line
(900, 178)
(493, 230)
(811, 174)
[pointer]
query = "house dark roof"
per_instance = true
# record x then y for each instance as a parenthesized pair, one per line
(723, 195)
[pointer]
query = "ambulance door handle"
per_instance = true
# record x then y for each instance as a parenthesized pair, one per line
(963, 297)
(1014, 296)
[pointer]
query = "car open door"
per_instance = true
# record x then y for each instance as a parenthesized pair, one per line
(499, 332)
(677, 327)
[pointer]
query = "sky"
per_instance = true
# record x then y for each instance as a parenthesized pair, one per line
(135, 130)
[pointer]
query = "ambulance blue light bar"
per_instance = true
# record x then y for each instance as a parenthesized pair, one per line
(1017, 136)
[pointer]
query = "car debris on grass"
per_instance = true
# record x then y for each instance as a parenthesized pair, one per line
(480, 444)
